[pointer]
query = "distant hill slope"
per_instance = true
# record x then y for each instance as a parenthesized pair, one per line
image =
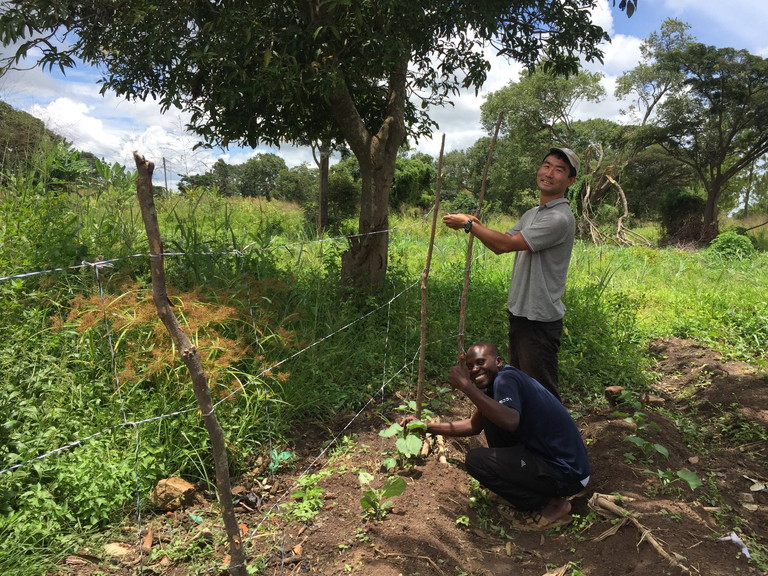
(21, 134)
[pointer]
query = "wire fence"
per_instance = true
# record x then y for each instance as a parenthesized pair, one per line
(101, 269)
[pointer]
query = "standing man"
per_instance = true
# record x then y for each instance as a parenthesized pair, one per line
(535, 457)
(543, 241)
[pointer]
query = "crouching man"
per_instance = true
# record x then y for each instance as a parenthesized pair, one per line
(535, 457)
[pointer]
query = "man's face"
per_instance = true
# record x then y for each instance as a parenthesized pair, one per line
(553, 176)
(483, 366)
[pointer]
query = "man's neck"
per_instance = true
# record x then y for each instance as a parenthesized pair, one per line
(545, 199)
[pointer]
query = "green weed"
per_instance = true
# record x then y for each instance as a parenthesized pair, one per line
(308, 498)
(736, 427)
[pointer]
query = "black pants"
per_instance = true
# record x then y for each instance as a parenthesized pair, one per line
(533, 348)
(519, 476)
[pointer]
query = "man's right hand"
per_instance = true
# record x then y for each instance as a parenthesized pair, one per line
(456, 221)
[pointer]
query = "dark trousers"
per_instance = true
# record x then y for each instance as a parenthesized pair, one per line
(519, 476)
(533, 348)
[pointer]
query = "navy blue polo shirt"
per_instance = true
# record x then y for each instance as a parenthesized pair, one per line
(546, 427)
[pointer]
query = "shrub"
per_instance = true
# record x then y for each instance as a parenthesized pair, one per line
(733, 246)
(681, 216)
(465, 202)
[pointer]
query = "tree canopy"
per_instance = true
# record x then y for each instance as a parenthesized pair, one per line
(269, 72)
(717, 123)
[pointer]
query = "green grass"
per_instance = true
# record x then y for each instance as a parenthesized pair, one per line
(719, 302)
(259, 297)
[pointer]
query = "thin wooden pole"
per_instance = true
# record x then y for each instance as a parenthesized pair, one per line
(191, 358)
(424, 278)
(468, 262)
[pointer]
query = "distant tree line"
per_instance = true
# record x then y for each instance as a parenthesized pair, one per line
(696, 148)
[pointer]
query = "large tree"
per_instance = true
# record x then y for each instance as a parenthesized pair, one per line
(268, 72)
(259, 175)
(718, 123)
(648, 83)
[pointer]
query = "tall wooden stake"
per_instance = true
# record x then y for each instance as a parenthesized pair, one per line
(191, 358)
(424, 278)
(468, 262)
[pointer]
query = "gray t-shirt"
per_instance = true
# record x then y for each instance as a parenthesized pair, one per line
(538, 275)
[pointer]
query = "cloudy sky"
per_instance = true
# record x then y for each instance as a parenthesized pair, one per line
(113, 128)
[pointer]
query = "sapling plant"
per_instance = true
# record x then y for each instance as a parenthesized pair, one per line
(408, 442)
(376, 501)
(648, 448)
(667, 477)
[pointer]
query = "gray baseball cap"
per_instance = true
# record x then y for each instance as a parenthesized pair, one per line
(571, 155)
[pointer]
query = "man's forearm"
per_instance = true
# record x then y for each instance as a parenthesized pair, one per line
(498, 242)
(457, 428)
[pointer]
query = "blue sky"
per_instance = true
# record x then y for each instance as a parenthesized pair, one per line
(112, 128)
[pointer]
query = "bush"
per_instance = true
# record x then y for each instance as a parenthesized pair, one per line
(465, 202)
(681, 216)
(733, 245)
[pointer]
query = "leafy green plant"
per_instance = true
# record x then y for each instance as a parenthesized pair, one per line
(647, 448)
(582, 522)
(408, 444)
(377, 501)
(630, 411)
(668, 477)
(735, 426)
(309, 497)
(732, 245)
(276, 458)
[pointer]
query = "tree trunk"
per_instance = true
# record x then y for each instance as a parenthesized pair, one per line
(710, 229)
(322, 200)
(748, 190)
(191, 358)
(364, 265)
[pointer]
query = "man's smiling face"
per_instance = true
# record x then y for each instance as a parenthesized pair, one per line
(483, 365)
(553, 176)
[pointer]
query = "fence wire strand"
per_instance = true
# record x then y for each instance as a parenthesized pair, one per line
(101, 265)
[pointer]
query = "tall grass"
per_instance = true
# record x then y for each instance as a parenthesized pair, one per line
(83, 354)
(721, 302)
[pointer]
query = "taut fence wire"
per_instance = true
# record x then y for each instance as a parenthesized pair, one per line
(101, 269)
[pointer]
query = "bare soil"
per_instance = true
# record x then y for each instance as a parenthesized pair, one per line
(673, 529)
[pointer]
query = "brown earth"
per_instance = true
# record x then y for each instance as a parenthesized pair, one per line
(420, 534)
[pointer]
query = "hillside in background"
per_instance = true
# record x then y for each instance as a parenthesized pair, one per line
(21, 136)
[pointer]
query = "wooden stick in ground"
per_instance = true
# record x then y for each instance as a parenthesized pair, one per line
(468, 262)
(191, 358)
(601, 503)
(424, 278)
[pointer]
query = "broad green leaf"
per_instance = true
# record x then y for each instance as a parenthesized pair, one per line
(409, 446)
(393, 430)
(364, 477)
(636, 440)
(394, 486)
(661, 450)
(690, 477)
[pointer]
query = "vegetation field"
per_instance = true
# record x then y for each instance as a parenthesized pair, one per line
(96, 405)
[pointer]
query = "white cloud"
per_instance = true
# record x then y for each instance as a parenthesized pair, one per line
(75, 122)
(113, 128)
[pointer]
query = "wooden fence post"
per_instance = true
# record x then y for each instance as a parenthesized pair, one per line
(191, 358)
